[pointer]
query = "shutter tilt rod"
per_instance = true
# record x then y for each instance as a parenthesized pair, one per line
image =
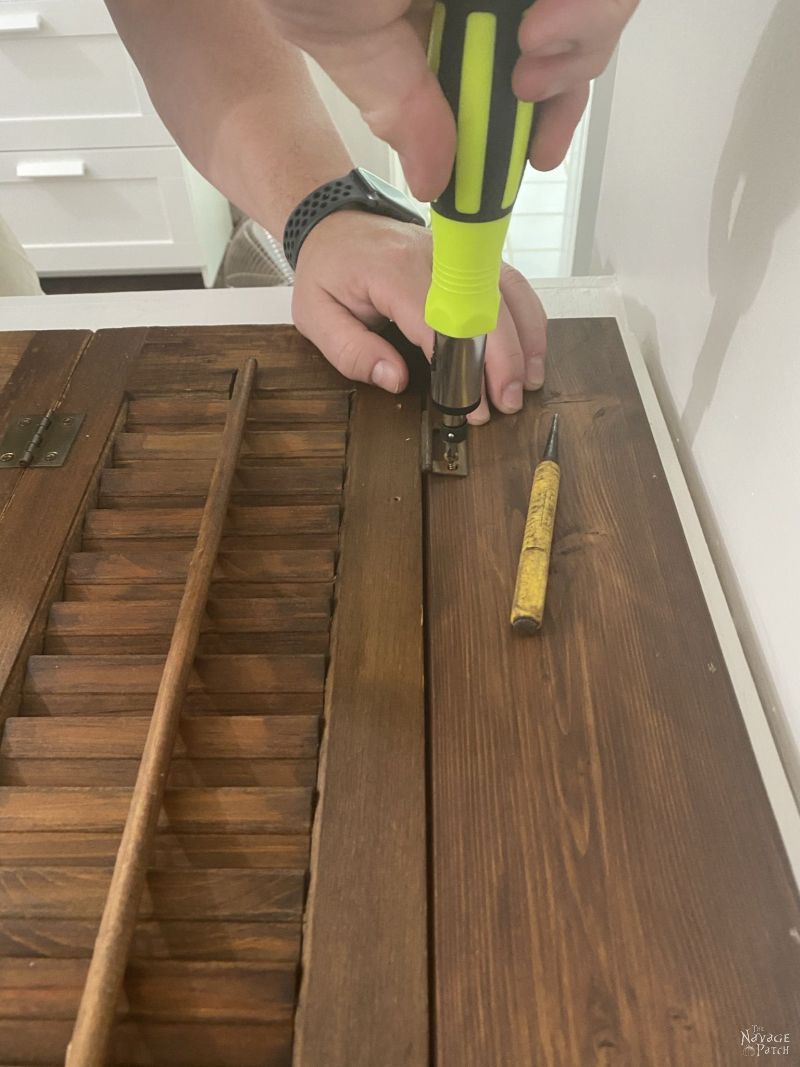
(91, 1036)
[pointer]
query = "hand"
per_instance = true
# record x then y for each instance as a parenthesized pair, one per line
(374, 50)
(356, 270)
(564, 45)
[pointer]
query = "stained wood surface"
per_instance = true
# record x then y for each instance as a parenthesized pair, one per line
(202, 810)
(133, 675)
(287, 408)
(55, 371)
(364, 995)
(237, 568)
(37, 374)
(608, 881)
(73, 939)
(141, 1043)
(257, 447)
(12, 345)
(79, 893)
(214, 971)
(161, 991)
(199, 360)
(93, 848)
(186, 485)
(97, 738)
(99, 996)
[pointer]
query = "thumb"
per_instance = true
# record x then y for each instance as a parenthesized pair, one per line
(353, 349)
(385, 74)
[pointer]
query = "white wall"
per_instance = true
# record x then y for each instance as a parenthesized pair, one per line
(698, 216)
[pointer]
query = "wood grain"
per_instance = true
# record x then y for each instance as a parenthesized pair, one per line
(184, 522)
(229, 771)
(92, 378)
(12, 345)
(200, 360)
(241, 810)
(242, 567)
(35, 383)
(186, 484)
(99, 998)
(95, 737)
(203, 411)
(258, 615)
(94, 848)
(158, 990)
(140, 1043)
(234, 826)
(364, 994)
(130, 675)
(73, 939)
(608, 880)
(201, 702)
(257, 447)
(79, 893)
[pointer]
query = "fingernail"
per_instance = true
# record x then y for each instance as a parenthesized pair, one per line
(385, 375)
(534, 372)
(418, 181)
(512, 397)
(478, 418)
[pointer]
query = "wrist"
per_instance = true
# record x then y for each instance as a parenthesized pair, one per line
(358, 190)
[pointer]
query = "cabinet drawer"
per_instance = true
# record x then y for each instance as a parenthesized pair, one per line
(68, 81)
(103, 210)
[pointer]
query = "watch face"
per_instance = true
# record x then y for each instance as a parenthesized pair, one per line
(385, 191)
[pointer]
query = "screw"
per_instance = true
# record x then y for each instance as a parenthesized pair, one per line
(25, 422)
(6, 457)
(51, 455)
(67, 420)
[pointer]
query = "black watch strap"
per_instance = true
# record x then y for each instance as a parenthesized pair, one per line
(358, 189)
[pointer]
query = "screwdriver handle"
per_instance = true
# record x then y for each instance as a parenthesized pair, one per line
(473, 49)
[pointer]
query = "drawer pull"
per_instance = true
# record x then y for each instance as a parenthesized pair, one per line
(56, 168)
(24, 22)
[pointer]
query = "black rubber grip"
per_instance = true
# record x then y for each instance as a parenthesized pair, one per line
(503, 106)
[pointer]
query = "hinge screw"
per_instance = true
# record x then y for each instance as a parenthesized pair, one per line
(7, 457)
(67, 420)
(25, 422)
(51, 455)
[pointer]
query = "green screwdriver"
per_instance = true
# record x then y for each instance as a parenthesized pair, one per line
(473, 50)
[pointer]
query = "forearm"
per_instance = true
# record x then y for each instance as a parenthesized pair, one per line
(237, 99)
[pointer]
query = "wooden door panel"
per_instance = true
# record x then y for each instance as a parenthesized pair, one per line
(566, 836)
(601, 839)
(217, 947)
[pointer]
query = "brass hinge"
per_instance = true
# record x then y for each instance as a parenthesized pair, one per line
(40, 440)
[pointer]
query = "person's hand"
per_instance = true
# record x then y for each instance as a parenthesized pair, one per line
(356, 270)
(374, 50)
(564, 45)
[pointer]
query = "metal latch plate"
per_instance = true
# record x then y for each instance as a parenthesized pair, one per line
(433, 460)
(42, 440)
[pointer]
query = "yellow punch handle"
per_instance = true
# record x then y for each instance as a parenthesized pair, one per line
(527, 610)
(473, 49)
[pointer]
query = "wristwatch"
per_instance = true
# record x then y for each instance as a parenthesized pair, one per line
(360, 190)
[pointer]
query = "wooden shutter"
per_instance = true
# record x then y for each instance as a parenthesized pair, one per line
(395, 833)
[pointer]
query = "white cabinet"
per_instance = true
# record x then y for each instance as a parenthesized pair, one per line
(90, 179)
